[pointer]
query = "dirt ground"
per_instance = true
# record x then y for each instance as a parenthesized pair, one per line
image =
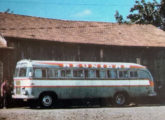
(106, 113)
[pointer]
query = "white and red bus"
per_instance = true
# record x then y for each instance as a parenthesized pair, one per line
(48, 81)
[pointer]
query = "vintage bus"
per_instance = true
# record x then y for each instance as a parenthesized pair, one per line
(47, 81)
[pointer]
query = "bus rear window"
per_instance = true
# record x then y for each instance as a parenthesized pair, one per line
(144, 74)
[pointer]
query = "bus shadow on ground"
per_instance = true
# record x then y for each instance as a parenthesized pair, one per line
(91, 103)
(106, 103)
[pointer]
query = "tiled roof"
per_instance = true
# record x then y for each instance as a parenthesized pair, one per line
(12, 25)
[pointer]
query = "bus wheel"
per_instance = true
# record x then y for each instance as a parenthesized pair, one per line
(120, 99)
(47, 101)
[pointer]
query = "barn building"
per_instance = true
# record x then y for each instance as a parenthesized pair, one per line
(26, 37)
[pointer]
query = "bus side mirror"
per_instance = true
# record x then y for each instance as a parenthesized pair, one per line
(30, 74)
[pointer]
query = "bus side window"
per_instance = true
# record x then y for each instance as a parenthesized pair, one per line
(133, 74)
(102, 74)
(78, 73)
(44, 73)
(123, 74)
(97, 73)
(91, 73)
(86, 73)
(37, 73)
(63, 73)
(66, 73)
(53, 73)
(112, 74)
(40, 73)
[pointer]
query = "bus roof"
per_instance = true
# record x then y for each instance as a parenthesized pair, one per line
(77, 64)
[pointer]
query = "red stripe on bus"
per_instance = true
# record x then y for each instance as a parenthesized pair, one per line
(90, 65)
(82, 86)
(135, 66)
(22, 79)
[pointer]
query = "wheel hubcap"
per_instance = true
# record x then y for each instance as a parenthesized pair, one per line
(120, 99)
(47, 101)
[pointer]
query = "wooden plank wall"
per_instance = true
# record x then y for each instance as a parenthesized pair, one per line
(153, 58)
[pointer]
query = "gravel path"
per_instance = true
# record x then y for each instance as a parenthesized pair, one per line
(125, 113)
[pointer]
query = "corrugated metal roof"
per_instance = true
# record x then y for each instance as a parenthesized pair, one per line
(101, 33)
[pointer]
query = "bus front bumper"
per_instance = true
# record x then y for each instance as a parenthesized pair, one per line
(22, 97)
(152, 94)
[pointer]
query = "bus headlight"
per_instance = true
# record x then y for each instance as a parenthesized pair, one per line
(24, 92)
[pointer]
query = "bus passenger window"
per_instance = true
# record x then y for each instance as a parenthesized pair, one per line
(63, 73)
(91, 73)
(86, 73)
(78, 73)
(66, 73)
(98, 73)
(40, 73)
(53, 73)
(102, 74)
(112, 74)
(22, 72)
(44, 73)
(133, 74)
(123, 74)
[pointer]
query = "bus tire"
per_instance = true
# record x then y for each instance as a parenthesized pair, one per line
(120, 99)
(47, 100)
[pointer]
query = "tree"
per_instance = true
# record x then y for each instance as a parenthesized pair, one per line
(162, 14)
(146, 13)
(119, 18)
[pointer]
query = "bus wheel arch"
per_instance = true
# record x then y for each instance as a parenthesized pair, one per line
(121, 98)
(47, 99)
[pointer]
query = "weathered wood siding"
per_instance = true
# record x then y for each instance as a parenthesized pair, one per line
(153, 58)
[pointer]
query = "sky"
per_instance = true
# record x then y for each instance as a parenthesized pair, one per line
(76, 10)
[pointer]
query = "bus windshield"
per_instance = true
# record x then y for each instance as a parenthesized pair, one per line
(20, 72)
